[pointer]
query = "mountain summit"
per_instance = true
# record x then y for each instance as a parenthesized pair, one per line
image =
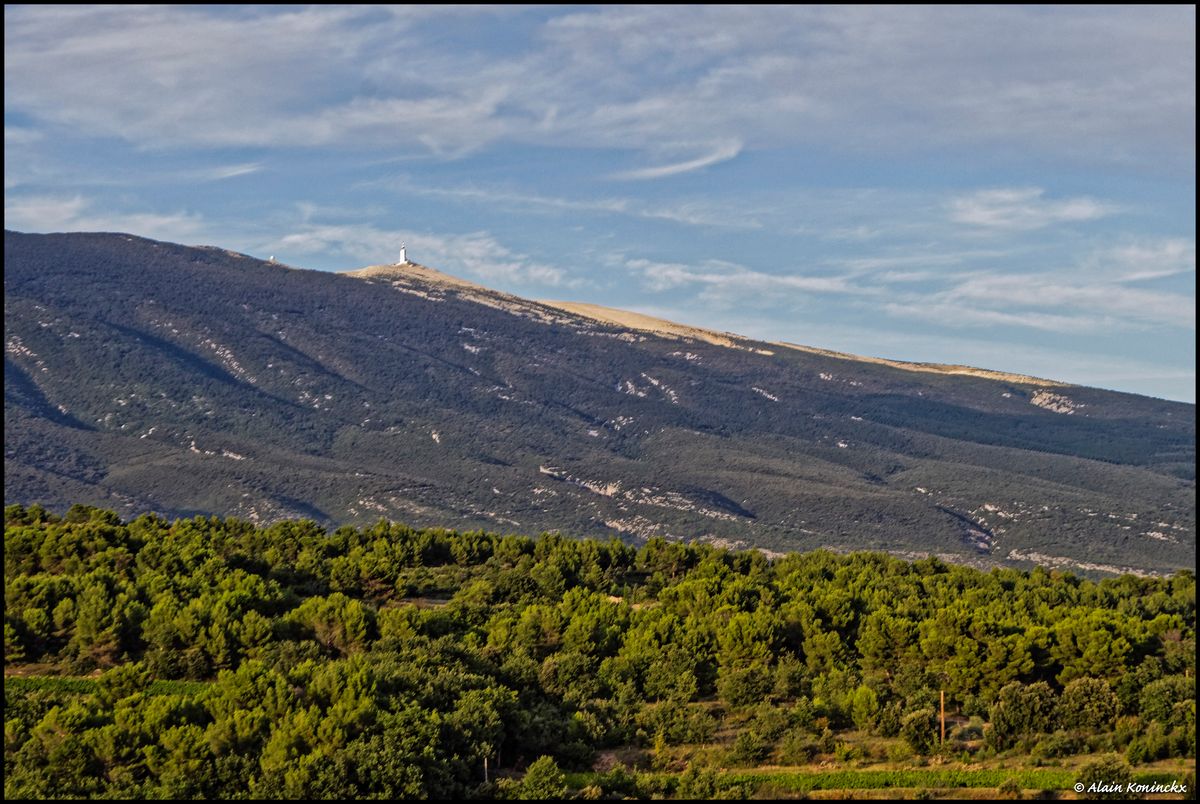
(142, 375)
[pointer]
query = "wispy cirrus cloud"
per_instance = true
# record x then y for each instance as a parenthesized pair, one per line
(80, 214)
(222, 172)
(1024, 208)
(687, 212)
(925, 261)
(1146, 260)
(1095, 294)
(508, 198)
(1117, 86)
(732, 278)
(956, 290)
(42, 213)
(1107, 304)
(721, 153)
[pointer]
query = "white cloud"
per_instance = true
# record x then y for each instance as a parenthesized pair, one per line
(721, 153)
(42, 213)
(507, 198)
(921, 258)
(79, 214)
(1093, 295)
(180, 76)
(724, 277)
(707, 214)
(230, 171)
(1117, 304)
(1084, 85)
(1024, 208)
(1112, 85)
(973, 288)
(1147, 260)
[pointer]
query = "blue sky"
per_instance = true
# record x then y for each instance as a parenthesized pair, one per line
(1007, 187)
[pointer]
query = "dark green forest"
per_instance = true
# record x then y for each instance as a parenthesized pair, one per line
(210, 657)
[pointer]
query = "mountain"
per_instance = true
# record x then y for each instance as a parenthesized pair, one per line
(142, 375)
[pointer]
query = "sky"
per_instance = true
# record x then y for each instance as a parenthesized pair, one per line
(1007, 187)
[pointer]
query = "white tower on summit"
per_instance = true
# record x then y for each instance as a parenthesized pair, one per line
(403, 258)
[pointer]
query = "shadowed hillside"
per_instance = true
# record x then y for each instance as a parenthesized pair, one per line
(144, 375)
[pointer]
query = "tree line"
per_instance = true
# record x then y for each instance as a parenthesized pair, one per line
(388, 661)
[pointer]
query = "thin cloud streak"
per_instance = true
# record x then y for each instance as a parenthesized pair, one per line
(658, 276)
(721, 154)
(1139, 262)
(688, 213)
(231, 171)
(1024, 208)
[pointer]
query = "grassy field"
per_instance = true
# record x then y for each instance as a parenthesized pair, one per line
(954, 782)
(878, 778)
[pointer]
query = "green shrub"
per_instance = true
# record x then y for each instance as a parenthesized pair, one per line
(770, 722)
(749, 748)
(1125, 730)
(618, 781)
(1087, 704)
(1167, 700)
(802, 715)
(797, 747)
(543, 780)
(699, 784)
(827, 742)
(888, 722)
(1059, 744)
(1021, 711)
(844, 752)
(1111, 770)
(739, 687)
(919, 730)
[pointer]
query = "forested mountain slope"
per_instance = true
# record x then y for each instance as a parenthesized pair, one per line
(142, 375)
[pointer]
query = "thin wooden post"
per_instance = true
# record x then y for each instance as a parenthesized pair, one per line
(943, 717)
(485, 773)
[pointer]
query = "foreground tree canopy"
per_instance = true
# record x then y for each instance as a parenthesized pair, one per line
(393, 662)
